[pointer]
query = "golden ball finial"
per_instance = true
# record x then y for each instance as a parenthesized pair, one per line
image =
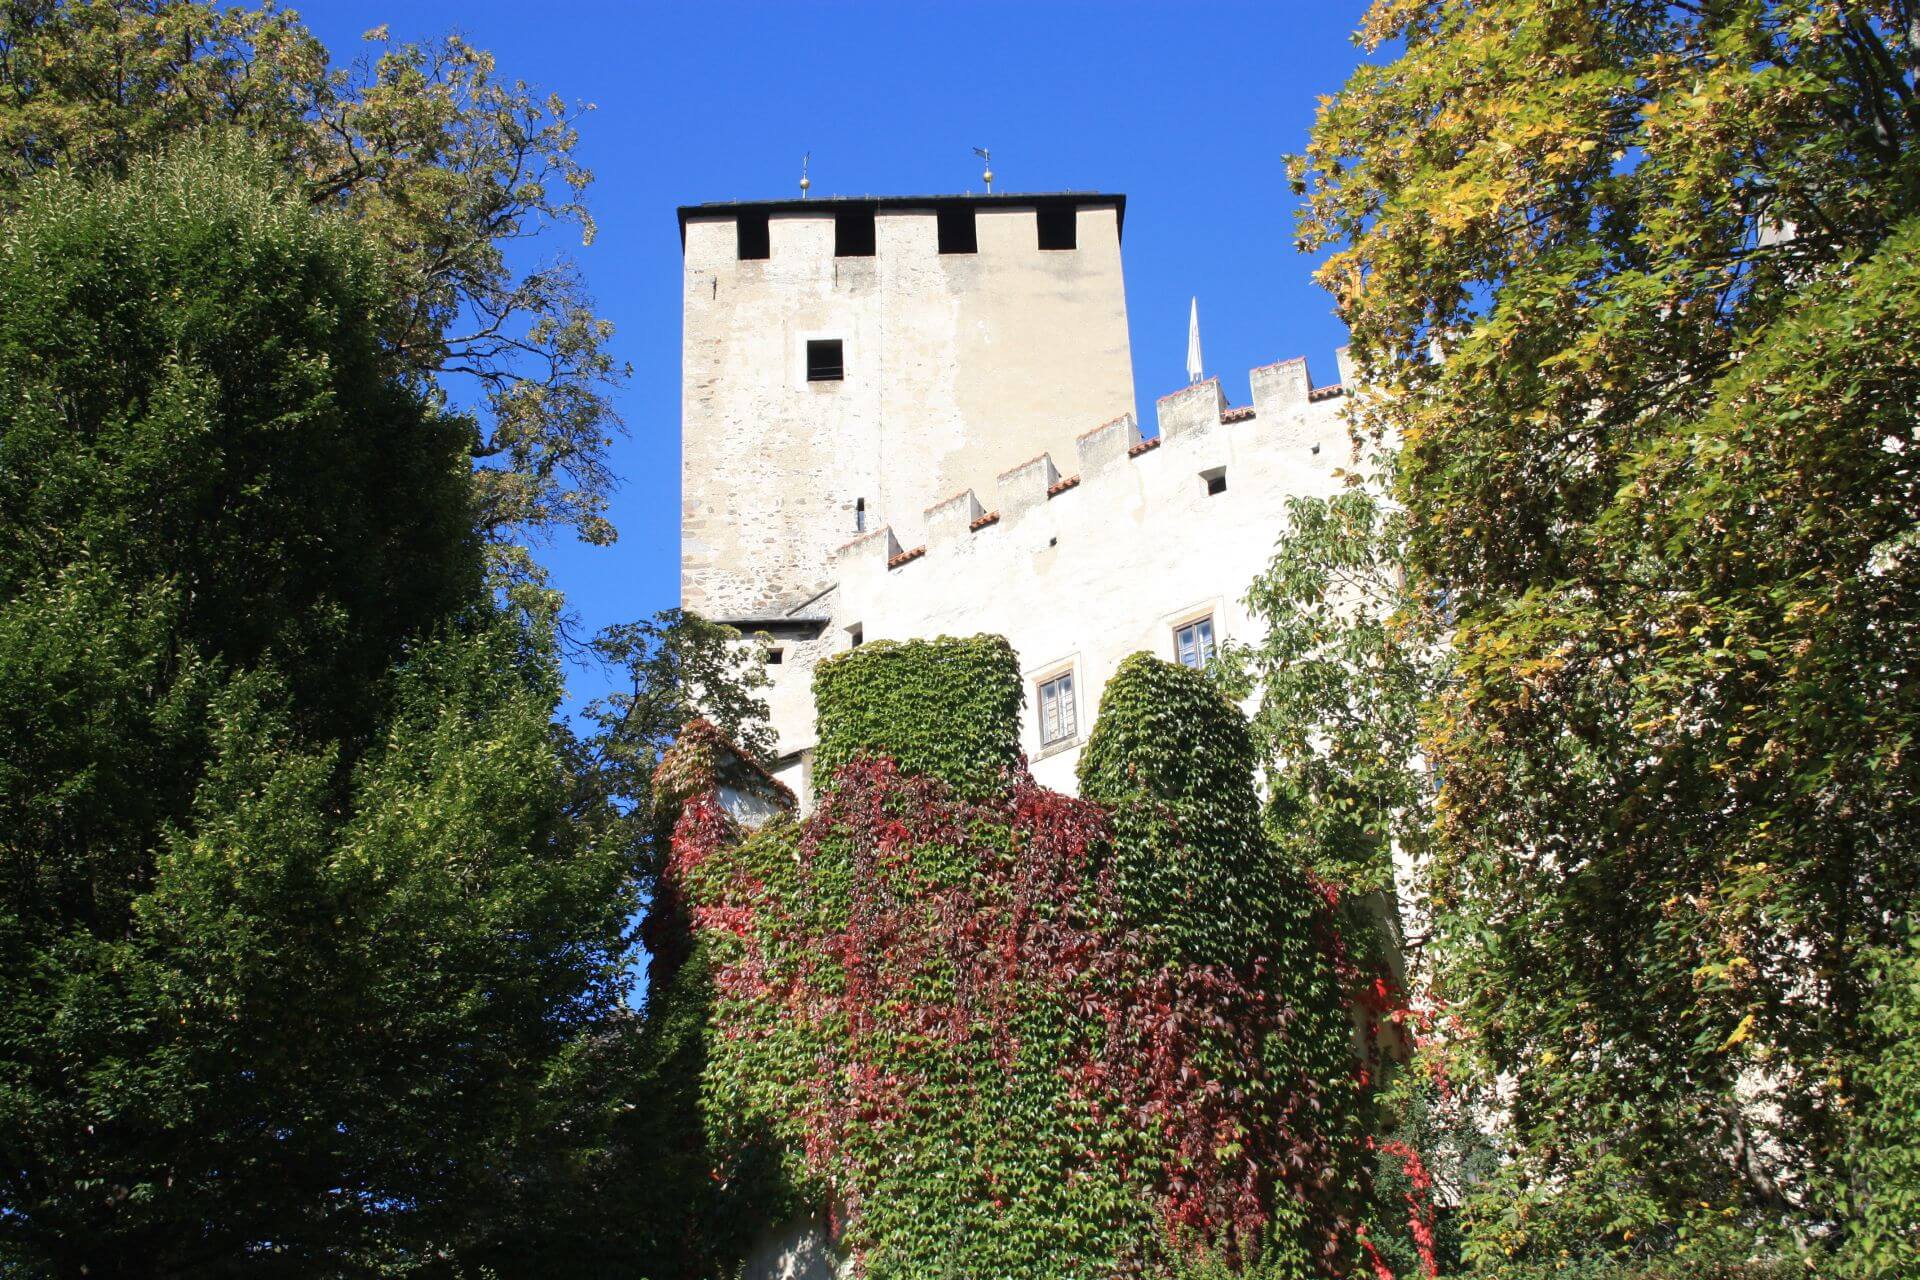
(987, 177)
(805, 183)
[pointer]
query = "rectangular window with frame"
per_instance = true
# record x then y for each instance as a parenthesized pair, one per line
(1058, 721)
(1193, 643)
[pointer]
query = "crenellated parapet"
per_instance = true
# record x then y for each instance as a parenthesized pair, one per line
(1290, 422)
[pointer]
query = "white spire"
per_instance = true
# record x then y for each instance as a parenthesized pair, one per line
(1194, 366)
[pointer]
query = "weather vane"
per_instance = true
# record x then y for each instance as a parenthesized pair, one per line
(986, 177)
(805, 182)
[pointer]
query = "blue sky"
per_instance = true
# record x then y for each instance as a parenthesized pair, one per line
(1187, 109)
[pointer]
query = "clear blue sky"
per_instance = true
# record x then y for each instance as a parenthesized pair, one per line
(1185, 108)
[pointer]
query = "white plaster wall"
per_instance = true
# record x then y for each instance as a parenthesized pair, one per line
(789, 693)
(955, 365)
(797, 1250)
(1109, 566)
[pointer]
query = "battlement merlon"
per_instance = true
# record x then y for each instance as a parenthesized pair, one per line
(1108, 443)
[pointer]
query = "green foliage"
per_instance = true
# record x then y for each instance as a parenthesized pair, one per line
(1344, 670)
(676, 668)
(947, 708)
(1634, 284)
(1173, 761)
(1884, 1164)
(311, 927)
(999, 1031)
(1172, 758)
(204, 459)
(438, 160)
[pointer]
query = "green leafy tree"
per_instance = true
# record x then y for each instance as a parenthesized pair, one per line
(1634, 284)
(1344, 673)
(678, 667)
(311, 928)
(1885, 1176)
(443, 163)
(1347, 663)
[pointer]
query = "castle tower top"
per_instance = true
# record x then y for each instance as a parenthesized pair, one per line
(812, 204)
(848, 362)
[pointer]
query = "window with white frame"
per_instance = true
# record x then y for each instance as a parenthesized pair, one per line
(1058, 723)
(1193, 643)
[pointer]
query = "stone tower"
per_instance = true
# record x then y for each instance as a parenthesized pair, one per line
(848, 363)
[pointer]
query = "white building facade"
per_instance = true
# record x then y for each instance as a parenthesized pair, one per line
(911, 417)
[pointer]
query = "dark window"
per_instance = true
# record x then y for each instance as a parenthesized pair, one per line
(824, 362)
(859, 515)
(1193, 643)
(856, 636)
(751, 238)
(1058, 226)
(957, 234)
(1216, 480)
(853, 234)
(775, 657)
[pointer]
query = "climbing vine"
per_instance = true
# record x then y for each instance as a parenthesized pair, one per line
(946, 708)
(996, 1030)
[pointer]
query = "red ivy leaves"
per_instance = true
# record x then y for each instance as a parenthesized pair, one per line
(947, 952)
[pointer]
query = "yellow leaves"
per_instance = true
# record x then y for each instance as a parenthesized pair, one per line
(1740, 1033)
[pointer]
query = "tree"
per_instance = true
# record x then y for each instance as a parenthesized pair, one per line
(310, 925)
(1886, 1171)
(678, 667)
(443, 164)
(1344, 675)
(1346, 666)
(1633, 283)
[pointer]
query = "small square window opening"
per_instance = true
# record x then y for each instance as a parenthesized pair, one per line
(1058, 225)
(957, 231)
(776, 656)
(1193, 643)
(856, 636)
(751, 238)
(853, 235)
(824, 361)
(1216, 480)
(1058, 721)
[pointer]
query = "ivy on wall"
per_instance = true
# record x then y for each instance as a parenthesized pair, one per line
(996, 1030)
(948, 708)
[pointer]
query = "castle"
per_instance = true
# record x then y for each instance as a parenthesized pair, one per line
(912, 416)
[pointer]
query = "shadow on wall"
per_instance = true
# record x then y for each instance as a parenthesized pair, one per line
(796, 1250)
